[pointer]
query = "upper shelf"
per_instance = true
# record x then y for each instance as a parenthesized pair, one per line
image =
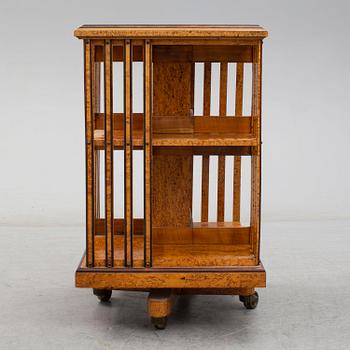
(170, 31)
(184, 140)
(182, 131)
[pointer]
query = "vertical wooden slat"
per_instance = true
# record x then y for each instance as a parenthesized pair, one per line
(97, 184)
(108, 95)
(96, 93)
(256, 157)
(205, 159)
(128, 216)
(147, 127)
(221, 164)
(236, 215)
(223, 89)
(89, 153)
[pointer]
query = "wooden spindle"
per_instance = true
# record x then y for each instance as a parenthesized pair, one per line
(147, 127)
(221, 162)
(236, 215)
(205, 158)
(108, 95)
(128, 178)
(96, 97)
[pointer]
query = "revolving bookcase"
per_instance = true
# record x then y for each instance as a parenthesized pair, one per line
(168, 251)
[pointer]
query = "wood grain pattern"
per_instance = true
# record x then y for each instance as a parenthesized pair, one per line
(170, 31)
(183, 53)
(174, 210)
(89, 153)
(221, 160)
(203, 233)
(204, 150)
(205, 158)
(239, 277)
(160, 302)
(148, 152)
(96, 97)
(127, 280)
(205, 188)
(118, 226)
(166, 249)
(256, 158)
(128, 147)
(182, 124)
(199, 232)
(108, 144)
(182, 140)
(196, 254)
(172, 96)
(206, 41)
(237, 164)
(97, 184)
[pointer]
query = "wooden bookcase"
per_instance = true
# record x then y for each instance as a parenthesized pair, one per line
(166, 252)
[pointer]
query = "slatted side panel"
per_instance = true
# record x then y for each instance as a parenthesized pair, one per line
(109, 249)
(237, 167)
(89, 153)
(128, 174)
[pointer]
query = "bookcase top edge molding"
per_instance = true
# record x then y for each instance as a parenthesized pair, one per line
(171, 31)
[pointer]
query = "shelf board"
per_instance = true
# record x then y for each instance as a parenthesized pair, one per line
(144, 278)
(178, 255)
(180, 140)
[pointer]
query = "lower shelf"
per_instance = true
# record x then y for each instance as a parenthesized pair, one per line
(178, 255)
(143, 278)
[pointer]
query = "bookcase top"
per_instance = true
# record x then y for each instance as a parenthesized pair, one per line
(171, 31)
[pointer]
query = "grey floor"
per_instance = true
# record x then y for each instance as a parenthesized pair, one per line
(306, 304)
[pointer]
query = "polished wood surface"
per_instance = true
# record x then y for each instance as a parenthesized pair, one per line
(109, 148)
(121, 278)
(166, 248)
(170, 31)
(89, 153)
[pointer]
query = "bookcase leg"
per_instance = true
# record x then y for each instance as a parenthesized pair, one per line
(160, 302)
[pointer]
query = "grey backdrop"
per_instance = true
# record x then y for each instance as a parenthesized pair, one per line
(306, 118)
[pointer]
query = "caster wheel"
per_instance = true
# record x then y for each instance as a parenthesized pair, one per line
(159, 322)
(104, 295)
(250, 301)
